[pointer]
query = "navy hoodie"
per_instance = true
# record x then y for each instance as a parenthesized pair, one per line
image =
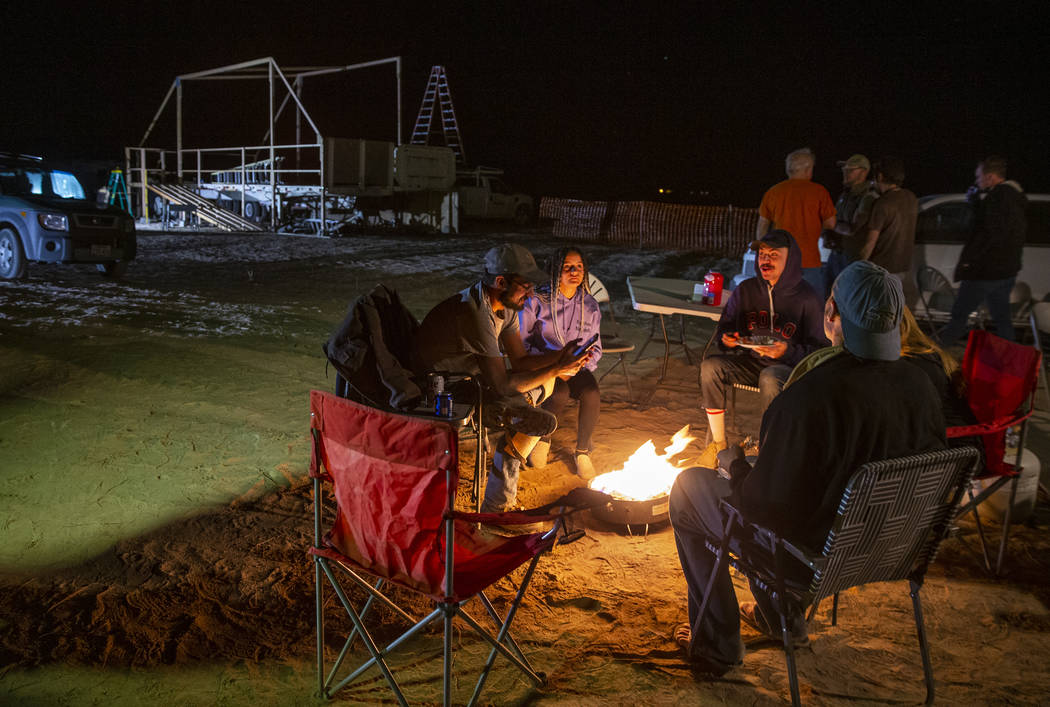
(790, 310)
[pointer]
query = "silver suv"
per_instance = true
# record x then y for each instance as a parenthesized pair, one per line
(45, 217)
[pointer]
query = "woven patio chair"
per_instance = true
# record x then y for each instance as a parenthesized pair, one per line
(892, 517)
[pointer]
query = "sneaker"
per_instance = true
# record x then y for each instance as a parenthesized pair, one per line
(584, 467)
(709, 457)
(753, 617)
(538, 457)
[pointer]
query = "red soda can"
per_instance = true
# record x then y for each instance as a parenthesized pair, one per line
(713, 288)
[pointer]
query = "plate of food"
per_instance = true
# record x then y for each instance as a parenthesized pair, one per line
(754, 342)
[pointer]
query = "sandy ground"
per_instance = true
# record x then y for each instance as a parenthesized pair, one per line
(155, 509)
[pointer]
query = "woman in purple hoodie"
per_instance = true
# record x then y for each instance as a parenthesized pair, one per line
(561, 312)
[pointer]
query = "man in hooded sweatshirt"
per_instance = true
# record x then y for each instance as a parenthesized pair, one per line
(991, 258)
(771, 322)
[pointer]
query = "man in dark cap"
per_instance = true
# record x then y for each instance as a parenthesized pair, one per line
(476, 332)
(863, 404)
(851, 213)
(771, 322)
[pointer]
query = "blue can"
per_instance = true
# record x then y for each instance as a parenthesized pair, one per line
(443, 405)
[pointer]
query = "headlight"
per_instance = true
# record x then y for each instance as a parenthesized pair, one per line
(53, 222)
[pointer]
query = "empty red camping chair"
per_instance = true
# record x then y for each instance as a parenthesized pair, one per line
(393, 478)
(1001, 379)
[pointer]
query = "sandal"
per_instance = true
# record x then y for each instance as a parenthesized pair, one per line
(682, 635)
(753, 617)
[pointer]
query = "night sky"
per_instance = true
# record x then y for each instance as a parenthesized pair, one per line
(590, 100)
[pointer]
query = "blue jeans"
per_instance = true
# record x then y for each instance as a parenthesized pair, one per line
(695, 519)
(971, 294)
(837, 262)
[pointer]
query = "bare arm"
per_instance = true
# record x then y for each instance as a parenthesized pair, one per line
(495, 374)
(829, 223)
(869, 244)
(763, 227)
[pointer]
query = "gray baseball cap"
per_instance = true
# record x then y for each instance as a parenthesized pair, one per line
(870, 300)
(513, 258)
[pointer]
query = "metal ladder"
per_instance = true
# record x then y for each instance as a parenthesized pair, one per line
(118, 190)
(437, 95)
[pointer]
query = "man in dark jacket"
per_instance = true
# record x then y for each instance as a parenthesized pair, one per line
(991, 258)
(770, 323)
(865, 404)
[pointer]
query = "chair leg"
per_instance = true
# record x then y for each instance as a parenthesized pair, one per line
(789, 658)
(446, 680)
(980, 533)
(503, 634)
(1006, 526)
(924, 647)
(319, 624)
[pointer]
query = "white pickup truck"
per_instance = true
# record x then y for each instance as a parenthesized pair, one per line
(482, 194)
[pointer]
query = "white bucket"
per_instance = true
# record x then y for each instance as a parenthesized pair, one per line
(1027, 490)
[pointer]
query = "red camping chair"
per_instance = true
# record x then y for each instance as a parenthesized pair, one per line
(1001, 379)
(394, 480)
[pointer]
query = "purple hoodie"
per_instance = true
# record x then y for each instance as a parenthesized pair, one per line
(790, 310)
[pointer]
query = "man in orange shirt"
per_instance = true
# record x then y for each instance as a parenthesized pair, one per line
(802, 208)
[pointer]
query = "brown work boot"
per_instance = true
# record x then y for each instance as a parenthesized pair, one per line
(709, 457)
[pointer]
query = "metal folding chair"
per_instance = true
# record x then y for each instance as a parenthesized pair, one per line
(393, 479)
(612, 343)
(892, 517)
(1001, 379)
(936, 295)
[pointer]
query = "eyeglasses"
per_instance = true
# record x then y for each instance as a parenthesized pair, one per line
(526, 285)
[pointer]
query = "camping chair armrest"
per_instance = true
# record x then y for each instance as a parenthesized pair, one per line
(579, 499)
(984, 428)
(769, 540)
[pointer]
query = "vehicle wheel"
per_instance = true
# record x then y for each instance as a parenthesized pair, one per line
(12, 257)
(522, 215)
(114, 270)
(157, 208)
(251, 210)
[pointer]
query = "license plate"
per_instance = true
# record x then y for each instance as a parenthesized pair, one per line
(101, 251)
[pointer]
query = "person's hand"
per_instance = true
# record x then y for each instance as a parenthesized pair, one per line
(775, 351)
(731, 339)
(726, 457)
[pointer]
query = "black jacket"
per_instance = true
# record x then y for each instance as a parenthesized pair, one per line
(993, 251)
(821, 429)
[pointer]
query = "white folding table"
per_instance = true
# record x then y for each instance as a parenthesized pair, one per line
(666, 296)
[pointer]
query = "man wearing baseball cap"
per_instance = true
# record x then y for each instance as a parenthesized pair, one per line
(475, 332)
(863, 404)
(851, 212)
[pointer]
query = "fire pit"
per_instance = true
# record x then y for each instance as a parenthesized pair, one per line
(640, 488)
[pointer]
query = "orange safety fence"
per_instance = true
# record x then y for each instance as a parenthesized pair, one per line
(719, 230)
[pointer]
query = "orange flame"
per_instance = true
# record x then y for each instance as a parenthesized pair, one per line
(645, 474)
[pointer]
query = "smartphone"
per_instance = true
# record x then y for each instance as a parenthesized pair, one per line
(586, 345)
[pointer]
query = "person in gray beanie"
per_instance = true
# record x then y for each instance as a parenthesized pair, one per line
(862, 404)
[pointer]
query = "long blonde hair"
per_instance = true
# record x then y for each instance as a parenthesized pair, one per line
(915, 343)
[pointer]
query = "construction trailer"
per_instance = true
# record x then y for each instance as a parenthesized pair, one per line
(314, 183)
